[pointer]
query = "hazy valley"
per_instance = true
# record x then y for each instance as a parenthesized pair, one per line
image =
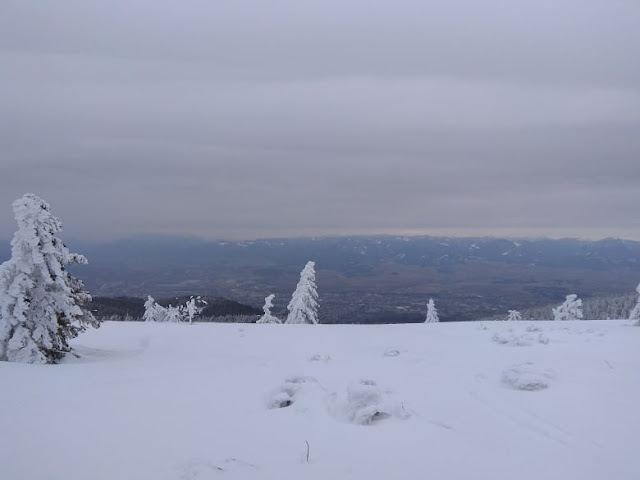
(367, 279)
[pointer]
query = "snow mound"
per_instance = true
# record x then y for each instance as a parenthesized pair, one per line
(285, 395)
(319, 358)
(365, 404)
(519, 339)
(391, 352)
(527, 377)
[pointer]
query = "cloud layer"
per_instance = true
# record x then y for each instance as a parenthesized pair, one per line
(244, 119)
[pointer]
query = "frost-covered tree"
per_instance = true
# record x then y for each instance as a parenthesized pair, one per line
(192, 308)
(150, 310)
(514, 316)
(571, 309)
(174, 314)
(153, 312)
(267, 317)
(432, 312)
(303, 307)
(635, 312)
(41, 303)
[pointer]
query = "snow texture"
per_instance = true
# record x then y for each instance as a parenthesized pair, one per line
(169, 401)
(432, 312)
(571, 309)
(303, 307)
(40, 301)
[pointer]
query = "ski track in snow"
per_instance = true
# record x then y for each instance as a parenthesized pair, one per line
(211, 401)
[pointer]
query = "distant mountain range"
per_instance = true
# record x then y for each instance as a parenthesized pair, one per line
(366, 279)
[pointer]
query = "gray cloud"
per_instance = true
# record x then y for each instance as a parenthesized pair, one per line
(234, 119)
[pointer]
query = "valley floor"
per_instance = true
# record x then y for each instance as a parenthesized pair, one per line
(499, 400)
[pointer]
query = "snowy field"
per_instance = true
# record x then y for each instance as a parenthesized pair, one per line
(507, 400)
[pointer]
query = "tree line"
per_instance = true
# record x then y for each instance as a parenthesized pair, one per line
(43, 306)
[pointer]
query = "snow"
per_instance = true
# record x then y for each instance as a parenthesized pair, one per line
(208, 401)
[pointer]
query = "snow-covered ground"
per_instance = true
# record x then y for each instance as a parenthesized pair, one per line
(508, 400)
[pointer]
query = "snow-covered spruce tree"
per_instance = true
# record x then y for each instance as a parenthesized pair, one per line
(267, 317)
(154, 312)
(514, 316)
(432, 312)
(41, 303)
(635, 312)
(303, 307)
(571, 309)
(150, 310)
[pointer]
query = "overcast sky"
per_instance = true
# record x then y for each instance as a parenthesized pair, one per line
(244, 119)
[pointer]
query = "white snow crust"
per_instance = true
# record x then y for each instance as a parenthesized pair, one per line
(220, 401)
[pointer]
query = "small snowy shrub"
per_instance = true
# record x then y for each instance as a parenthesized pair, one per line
(193, 308)
(391, 352)
(174, 314)
(152, 311)
(571, 309)
(514, 316)
(366, 404)
(527, 377)
(267, 317)
(516, 339)
(285, 395)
